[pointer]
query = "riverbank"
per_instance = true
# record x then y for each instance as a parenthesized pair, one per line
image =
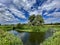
(27, 28)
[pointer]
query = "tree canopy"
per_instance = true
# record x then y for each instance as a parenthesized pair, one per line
(36, 20)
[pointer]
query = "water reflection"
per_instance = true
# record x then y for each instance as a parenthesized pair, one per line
(29, 38)
(22, 35)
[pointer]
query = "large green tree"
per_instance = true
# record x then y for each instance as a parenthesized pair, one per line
(36, 20)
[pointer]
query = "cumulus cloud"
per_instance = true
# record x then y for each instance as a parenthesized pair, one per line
(50, 7)
(17, 12)
(55, 14)
(52, 20)
(26, 4)
(6, 16)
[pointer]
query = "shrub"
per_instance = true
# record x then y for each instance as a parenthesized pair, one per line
(9, 39)
(54, 40)
(35, 29)
(19, 26)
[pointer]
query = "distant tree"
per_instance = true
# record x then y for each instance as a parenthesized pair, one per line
(14, 27)
(19, 25)
(0, 24)
(36, 20)
(31, 18)
(39, 20)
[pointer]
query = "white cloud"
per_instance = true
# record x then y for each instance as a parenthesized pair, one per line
(52, 20)
(48, 6)
(6, 16)
(17, 12)
(26, 4)
(55, 14)
(34, 12)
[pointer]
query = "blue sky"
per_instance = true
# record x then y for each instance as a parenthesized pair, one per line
(18, 11)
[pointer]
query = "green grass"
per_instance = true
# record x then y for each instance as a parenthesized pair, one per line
(6, 28)
(7, 38)
(41, 29)
(27, 28)
(54, 40)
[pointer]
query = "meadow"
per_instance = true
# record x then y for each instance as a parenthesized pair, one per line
(27, 28)
(37, 33)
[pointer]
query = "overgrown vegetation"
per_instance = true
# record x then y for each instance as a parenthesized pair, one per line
(54, 40)
(35, 24)
(36, 20)
(9, 39)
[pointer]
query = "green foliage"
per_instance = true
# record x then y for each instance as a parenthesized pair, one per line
(36, 29)
(19, 26)
(36, 20)
(9, 39)
(54, 40)
(40, 18)
(28, 27)
(0, 24)
(31, 18)
(6, 27)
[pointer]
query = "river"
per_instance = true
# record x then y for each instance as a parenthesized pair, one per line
(33, 38)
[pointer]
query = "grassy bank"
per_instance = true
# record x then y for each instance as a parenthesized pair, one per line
(27, 28)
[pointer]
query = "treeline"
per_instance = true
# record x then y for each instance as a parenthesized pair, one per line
(53, 24)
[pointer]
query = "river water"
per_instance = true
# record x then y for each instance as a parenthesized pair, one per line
(33, 38)
(29, 38)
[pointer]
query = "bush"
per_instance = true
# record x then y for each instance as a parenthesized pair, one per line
(54, 40)
(9, 39)
(19, 26)
(35, 29)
